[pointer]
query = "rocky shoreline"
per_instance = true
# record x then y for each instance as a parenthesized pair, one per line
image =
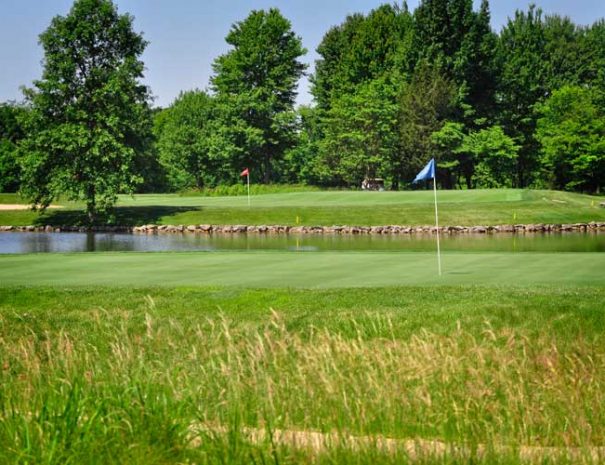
(344, 230)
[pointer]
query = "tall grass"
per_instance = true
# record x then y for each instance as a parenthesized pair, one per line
(132, 388)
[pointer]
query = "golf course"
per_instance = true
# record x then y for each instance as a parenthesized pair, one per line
(332, 354)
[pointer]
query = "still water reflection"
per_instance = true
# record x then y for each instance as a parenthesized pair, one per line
(16, 242)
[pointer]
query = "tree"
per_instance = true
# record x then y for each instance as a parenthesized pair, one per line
(493, 156)
(11, 132)
(89, 113)
(485, 158)
(360, 134)
(331, 79)
(300, 162)
(361, 49)
(522, 84)
(185, 142)
(593, 51)
(255, 83)
(450, 36)
(565, 60)
(453, 162)
(571, 131)
(424, 106)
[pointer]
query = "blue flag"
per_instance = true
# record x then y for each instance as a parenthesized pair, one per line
(428, 172)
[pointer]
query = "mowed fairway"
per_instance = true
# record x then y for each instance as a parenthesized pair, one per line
(497, 206)
(302, 270)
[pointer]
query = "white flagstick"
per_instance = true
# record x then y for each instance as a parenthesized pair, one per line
(437, 223)
(248, 178)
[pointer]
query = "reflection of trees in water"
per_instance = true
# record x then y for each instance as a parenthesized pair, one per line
(18, 242)
(37, 243)
(90, 242)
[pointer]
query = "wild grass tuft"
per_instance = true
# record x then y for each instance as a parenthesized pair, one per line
(140, 388)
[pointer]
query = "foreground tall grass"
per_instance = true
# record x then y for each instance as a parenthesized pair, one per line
(124, 387)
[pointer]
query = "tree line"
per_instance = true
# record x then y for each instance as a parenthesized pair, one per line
(391, 89)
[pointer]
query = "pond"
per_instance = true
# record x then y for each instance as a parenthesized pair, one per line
(31, 242)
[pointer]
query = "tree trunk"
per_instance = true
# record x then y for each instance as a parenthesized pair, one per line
(267, 170)
(91, 205)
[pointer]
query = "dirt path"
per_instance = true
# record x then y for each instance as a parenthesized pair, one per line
(416, 449)
(20, 206)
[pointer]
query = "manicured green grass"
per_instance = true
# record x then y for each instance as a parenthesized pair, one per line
(186, 375)
(496, 206)
(302, 270)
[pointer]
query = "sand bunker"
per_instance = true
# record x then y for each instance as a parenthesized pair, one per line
(20, 206)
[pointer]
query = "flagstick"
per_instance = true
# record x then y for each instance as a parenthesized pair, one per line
(248, 178)
(437, 224)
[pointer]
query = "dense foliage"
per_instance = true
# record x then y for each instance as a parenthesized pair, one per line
(393, 88)
(11, 132)
(89, 118)
(255, 84)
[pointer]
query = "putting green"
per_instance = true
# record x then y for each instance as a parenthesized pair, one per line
(306, 270)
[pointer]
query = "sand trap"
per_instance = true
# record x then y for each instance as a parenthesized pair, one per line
(20, 206)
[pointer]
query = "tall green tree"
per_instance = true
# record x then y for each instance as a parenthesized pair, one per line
(255, 83)
(453, 162)
(522, 84)
(361, 49)
(493, 155)
(593, 51)
(459, 41)
(11, 132)
(360, 134)
(89, 112)
(330, 79)
(565, 59)
(186, 136)
(300, 162)
(571, 131)
(425, 104)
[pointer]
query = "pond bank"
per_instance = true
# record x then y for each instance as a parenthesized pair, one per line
(283, 229)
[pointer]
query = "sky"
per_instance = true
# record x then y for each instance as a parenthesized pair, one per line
(185, 36)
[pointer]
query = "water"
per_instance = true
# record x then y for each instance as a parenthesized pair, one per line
(19, 243)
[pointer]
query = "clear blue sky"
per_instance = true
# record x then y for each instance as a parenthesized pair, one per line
(186, 35)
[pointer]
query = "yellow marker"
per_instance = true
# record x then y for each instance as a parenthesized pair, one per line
(514, 216)
(297, 219)
(592, 203)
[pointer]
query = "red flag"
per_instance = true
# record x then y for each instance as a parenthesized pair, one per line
(246, 172)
